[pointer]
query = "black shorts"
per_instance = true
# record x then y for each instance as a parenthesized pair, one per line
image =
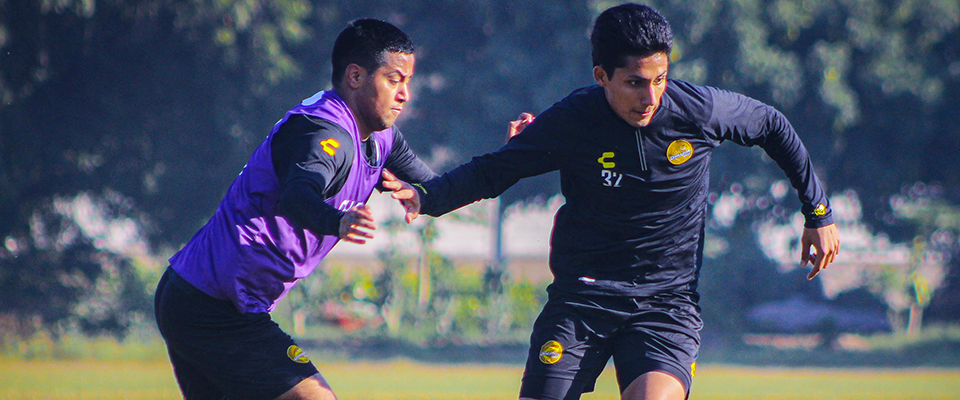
(217, 351)
(575, 336)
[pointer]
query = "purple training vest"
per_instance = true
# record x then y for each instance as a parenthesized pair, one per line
(251, 256)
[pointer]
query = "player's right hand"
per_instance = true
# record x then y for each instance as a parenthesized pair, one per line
(356, 224)
(819, 246)
(408, 196)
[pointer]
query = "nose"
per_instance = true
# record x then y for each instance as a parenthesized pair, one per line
(403, 92)
(649, 94)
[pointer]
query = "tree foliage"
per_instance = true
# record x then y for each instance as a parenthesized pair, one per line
(161, 101)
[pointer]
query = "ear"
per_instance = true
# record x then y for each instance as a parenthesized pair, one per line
(354, 76)
(600, 75)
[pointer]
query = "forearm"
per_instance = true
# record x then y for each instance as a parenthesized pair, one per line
(783, 145)
(476, 180)
(302, 205)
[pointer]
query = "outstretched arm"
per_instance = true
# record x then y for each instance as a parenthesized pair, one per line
(533, 152)
(409, 197)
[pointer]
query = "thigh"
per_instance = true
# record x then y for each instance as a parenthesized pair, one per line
(567, 353)
(656, 341)
(244, 356)
(193, 384)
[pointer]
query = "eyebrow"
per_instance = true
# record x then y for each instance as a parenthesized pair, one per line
(635, 76)
(397, 71)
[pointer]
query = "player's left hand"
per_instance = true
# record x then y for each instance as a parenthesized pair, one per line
(405, 193)
(825, 243)
(516, 126)
(357, 224)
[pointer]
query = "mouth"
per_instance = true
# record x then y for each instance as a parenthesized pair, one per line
(396, 110)
(645, 113)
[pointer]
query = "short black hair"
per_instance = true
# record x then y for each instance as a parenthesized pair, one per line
(364, 42)
(629, 30)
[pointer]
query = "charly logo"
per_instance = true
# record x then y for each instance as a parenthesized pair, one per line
(551, 352)
(679, 152)
(297, 355)
(330, 146)
(603, 160)
(821, 210)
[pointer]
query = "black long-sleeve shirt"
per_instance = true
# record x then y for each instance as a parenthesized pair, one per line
(633, 222)
(308, 174)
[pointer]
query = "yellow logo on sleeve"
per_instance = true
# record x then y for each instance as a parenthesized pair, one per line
(297, 355)
(820, 211)
(551, 352)
(693, 368)
(679, 152)
(603, 160)
(330, 146)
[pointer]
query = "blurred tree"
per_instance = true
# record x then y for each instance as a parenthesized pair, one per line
(120, 97)
(868, 84)
(162, 100)
(937, 223)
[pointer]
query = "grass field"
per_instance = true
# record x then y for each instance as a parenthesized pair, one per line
(98, 380)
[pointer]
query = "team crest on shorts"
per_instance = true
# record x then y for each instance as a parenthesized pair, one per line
(551, 352)
(297, 355)
(679, 152)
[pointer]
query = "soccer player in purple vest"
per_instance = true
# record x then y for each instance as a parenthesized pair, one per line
(302, 191)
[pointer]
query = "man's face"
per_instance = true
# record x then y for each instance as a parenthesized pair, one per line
(634, 91)
(383, 93)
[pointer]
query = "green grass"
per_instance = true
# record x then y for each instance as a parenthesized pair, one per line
(416, 381)
(107, 380)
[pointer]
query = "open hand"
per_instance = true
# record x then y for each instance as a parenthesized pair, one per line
(825, 243)
(408, 196)
(356, 224)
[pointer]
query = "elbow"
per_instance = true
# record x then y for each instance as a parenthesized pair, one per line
(286, 203)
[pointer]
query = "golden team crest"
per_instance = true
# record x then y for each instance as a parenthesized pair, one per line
(297, 355)
(679, 152)
(551, 352)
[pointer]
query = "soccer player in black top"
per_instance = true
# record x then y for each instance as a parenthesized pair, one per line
(633, 153)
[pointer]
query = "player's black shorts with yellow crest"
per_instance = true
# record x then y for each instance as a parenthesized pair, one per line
(218, 352)
(575, 335)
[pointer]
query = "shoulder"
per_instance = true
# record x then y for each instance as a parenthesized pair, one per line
(314, 135)
(583, 106)
(323, 129)
(688, 101)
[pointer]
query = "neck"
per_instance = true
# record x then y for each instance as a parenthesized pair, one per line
(350, 97)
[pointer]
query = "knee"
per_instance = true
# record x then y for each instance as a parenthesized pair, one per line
(654, 385)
